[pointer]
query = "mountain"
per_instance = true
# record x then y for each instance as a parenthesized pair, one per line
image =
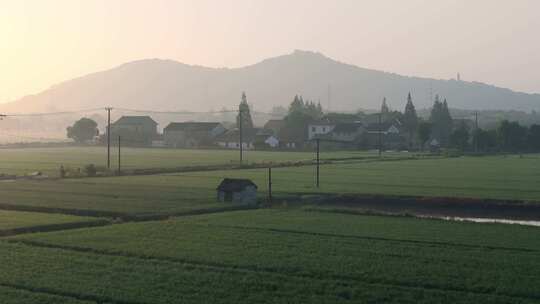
(169, 85)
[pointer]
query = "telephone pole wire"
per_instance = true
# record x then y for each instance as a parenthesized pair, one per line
(476, 132)
(108, 109)
(240, 131)
(380, 134)
(318, 161)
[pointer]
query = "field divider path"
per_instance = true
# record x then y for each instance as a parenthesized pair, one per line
(224, 267)
(118, 219)
(54, 227)
(122, 217)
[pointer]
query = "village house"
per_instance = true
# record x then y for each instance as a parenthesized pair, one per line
(275, 125)
(319, 129)
(135, 130)
(237, 191)
(347, 132)
(390, 134)
(231, 139)
(265, 139)
(192, 134)
(290, 139)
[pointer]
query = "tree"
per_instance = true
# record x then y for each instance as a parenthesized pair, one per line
(300, 115)
(384, 107)
(485, 139)
(511, 136)
(441, 121)
(83, 130)
(410, 119)
(533, 138)
(460, 137)
(297, 105)
(424, 132)
(244, 114)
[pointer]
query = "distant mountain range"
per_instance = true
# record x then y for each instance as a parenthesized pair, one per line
(169, 85)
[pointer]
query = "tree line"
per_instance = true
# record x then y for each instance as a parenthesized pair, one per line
(464, 134)
(440, 129)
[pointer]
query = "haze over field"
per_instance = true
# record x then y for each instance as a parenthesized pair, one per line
(485, 41)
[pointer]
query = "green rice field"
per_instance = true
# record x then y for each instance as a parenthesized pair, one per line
(18, 219)
(481, 177)
(192, 253)
(48, 160)
(282, 255)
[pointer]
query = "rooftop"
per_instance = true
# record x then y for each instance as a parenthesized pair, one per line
(235, 184)
(191, 126)
(135, 120)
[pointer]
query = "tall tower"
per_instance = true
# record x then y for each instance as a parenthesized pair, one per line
(458, 77)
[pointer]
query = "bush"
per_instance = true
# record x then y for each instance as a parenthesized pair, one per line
(90, 170)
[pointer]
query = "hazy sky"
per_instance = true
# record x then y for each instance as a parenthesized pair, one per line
(492, 41)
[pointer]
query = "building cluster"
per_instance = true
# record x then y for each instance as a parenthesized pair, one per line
(143, 131)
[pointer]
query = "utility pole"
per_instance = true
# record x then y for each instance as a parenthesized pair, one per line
(476, 132)
(270, 184)
(380, 134)
(240, 131)
(108, 109)
(119, 155)
(318, 161)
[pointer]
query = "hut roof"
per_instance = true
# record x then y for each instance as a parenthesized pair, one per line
(235, 184)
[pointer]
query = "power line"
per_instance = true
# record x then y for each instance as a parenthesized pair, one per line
(174, 112)
(49, 113)
(135, 111)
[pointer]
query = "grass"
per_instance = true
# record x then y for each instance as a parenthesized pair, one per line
(494, 177)
(283, 255)
(130, 195)
(481, 177)
(15, 219)
(269, 255)
(48, 160)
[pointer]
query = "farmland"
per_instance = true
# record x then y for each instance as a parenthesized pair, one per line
(282, 254)
(483, 177)
(48, 160)
(16, 219)
(293, 253)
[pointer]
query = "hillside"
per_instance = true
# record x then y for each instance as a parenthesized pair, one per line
(170, 85)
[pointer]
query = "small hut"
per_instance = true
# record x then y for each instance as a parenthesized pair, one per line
(237, 190)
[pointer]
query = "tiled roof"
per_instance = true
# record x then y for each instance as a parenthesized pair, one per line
(191, 126)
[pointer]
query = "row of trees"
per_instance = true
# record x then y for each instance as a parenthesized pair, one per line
(509, 137)
(298, 116)
(439, 126)
(506, 136)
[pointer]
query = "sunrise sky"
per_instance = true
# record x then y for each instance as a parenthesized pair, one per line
(45, 42)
